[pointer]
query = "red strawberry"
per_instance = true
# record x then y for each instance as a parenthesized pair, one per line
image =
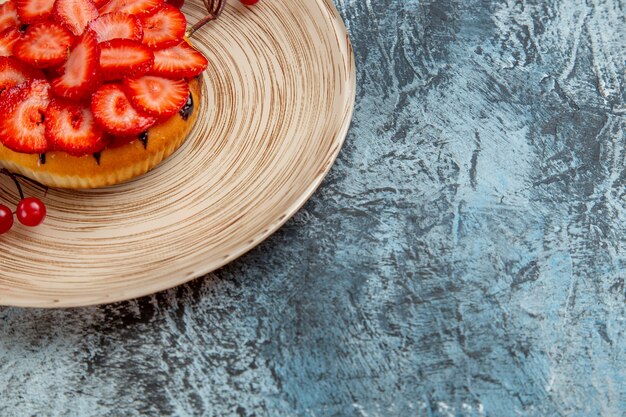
(53, 72)
(117, 141)
(157, 96)
(22, 124)
(75, 14)
(180, 61)
(44, 45)
(14, 72)
(164, 28)
(176, 3)
(31, 11)
(117, 25)
(80, 74)
(100, 3)
(8, 15)
(113, 110)
(136, 7)
(72, 128)
(124, 58)
(8, 37)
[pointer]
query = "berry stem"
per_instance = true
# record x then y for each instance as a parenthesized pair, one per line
(215, 8)
(14, 178)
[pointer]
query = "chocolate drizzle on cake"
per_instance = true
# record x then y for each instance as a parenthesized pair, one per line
(187, 109)
(42, 158)
(97, 156)
(144, 139)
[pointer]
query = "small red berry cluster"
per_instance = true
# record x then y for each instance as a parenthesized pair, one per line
(30, 211)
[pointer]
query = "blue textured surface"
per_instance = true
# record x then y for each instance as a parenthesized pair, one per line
(465, 257)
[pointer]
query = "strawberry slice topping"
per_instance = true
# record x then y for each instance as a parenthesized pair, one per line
(8, 37)
(8, 15)
(176, 3)
(71, 127)
(14, 72)
(164, 28)
(124, 58)
(180, 61)
(44, 45)
(135, 47)
(113, 110)
(136, 7)
(117, 25)
(157, 96)
(75, 14)
(31, 11)
(22, 126)
(80, 75)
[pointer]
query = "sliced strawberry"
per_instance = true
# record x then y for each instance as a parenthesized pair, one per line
(8, 15)
(157, 96)
(31, 11)
(72, 128)
(8, 37)
(14, 72)
(53, 72)
(180, 61)
(80, 75)
(44, 45)
(136, 7)
(164, 28)
(117, 25)
(100, 3)
(113, 110)
(176, 3)
(124, 58)
(117, 141)
(22, 126)
(75, 14)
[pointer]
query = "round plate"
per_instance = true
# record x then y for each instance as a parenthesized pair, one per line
(279, 95)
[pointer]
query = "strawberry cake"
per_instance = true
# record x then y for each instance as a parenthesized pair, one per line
(94, 92)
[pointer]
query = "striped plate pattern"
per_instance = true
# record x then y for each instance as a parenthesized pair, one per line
(278, 100)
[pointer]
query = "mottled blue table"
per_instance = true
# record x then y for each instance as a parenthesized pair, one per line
(465, 256)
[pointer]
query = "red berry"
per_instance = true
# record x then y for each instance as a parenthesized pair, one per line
(14, 72)
(112, 108)
(124, 58)
(31, 11)
(136, 7)
(79, 75)
(8, 15)
(180, 61)
(117, 25)
(71, 127)
(75, 14)
(249, 2)
(176, 3)
(6, 219)
(22, 108)
(8, 39)
(156, 96)
(31, 211)
(44, 45)
(164, 28)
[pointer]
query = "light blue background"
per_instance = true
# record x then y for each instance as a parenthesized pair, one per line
(465, 256)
